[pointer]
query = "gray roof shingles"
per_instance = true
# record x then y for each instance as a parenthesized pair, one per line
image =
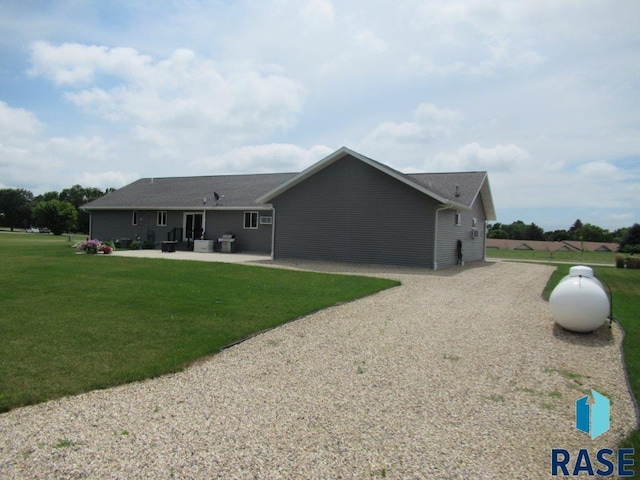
(190, 192)
(243, 190)
(444, 184)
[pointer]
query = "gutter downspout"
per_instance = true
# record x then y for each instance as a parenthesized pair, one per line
(273, 234)
(435, 235)
(204, 224)
(484, 242)
(90, 223)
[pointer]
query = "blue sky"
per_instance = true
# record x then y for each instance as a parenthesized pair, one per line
(543, 95)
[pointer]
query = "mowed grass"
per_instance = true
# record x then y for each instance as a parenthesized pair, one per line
(625, 291)
(578, 257)
(70, 323)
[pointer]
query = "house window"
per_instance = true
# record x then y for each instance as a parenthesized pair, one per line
(458, 219)
(474, 223)
(134, 218)
(250, 219)
(266, 220)
(162, 219)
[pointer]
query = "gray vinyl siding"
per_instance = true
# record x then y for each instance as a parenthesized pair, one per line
(352, 212)
(113, 225)
(475, 248)
(221, 222)
(449, 233)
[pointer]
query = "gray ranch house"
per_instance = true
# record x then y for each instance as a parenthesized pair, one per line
(344, 208)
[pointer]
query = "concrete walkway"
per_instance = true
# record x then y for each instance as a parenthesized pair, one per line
(196, 256)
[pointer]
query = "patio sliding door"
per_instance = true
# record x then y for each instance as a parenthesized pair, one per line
(193, 226)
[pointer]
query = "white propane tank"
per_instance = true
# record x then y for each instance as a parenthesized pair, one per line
(579, 302)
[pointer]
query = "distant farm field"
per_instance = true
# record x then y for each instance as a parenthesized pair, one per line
(577, 257)
(74, 322)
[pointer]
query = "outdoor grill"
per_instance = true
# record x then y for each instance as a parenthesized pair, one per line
(227, 243)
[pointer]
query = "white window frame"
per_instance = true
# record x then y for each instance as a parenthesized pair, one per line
(474, 223)
(161, 218)
(252, 224)
(458, 219)
(134, 218)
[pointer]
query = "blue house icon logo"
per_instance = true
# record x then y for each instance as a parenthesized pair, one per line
(593, 419)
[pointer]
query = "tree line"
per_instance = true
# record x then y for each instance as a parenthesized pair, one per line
(58, 211)
(627, 237)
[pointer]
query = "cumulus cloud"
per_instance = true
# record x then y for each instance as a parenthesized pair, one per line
(104, 180)
(17, 121)
(599, 170)
(89, 148)
(73, 63)
(182, 91)
(428, 123)
(475, 157)
(274, 157)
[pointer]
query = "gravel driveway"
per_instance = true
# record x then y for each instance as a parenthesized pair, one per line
(456, 374)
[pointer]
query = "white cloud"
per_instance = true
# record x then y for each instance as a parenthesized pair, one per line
(319, 14)
(428, 112)
(181, 91)
(104, 180)
(17, 121)
(475, 157)
(603, 171)
(73, 63)
(93, 148)
(365, 38)
(150, 136)
(274, 157)
(429, 122)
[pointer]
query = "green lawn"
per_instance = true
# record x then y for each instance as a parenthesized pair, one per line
(578, 257)
(625, 289)
(72, 322)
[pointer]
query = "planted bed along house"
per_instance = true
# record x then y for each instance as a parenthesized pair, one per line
(344, 208)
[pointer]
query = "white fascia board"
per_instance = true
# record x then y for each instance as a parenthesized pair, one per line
(487, 199)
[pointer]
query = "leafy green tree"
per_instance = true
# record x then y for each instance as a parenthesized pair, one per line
(556, 236)
(79, 196)
(45, 197)
(59, 216)
(575, 231)
(631, 241)
(620, 234)
(534, 232)
(15, 207)
(497, 233)
(517, 230)
(593, 233)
